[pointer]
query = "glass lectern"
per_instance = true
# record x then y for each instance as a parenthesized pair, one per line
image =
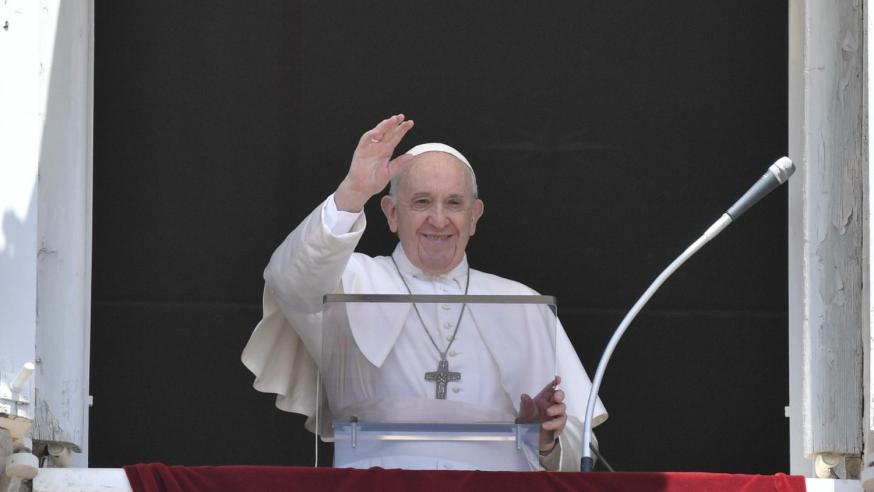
(436, 381)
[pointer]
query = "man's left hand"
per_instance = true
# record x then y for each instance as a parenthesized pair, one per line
(548, 408)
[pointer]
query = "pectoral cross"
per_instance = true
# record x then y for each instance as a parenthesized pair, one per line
(441, 377)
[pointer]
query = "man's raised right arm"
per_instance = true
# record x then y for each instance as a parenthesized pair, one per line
(311, 260)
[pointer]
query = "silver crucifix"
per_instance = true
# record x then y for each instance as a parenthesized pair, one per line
(442, 376)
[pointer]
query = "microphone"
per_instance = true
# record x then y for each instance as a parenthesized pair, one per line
(777, 174)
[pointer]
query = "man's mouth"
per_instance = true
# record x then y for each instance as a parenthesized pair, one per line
(437, 237)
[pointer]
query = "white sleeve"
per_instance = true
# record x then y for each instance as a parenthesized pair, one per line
(338, 221)
(552, 460)
(310, 263)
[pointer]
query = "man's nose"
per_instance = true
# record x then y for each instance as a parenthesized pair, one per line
(438, 217)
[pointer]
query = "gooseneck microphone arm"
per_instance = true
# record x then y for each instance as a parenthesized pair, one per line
(715, 229)
(777, 174)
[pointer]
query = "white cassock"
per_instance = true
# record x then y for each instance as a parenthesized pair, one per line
(318, 258)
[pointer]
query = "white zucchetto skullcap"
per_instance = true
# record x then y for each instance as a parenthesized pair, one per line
(439, 147)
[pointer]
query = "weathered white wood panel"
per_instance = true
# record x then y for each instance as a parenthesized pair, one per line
(20, 131)
(45, 201)
(868, 204)
(832, 226)
(64, 224)
(798, 463)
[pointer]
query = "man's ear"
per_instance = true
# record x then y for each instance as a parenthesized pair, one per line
(391, 212)
(477, 212)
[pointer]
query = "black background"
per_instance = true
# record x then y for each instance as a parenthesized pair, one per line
(606, 136)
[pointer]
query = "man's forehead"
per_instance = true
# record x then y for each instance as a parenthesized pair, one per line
(435, 169)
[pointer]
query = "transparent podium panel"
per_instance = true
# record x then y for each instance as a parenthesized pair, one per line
(455, 379)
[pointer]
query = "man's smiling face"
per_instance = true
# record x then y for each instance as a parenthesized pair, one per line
(434, 212)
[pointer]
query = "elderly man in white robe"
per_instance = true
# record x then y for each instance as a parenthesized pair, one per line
(433, 208)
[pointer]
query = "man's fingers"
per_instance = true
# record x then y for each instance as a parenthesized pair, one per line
(552, 384)
(556, 410)
(554, 415)
(547, 390)
(387, 124)
(556, 418)
(379, 133)
(556, 424)
(375, 134)
(527, 409)
(526, 404)
(394, 134)
(370, 137)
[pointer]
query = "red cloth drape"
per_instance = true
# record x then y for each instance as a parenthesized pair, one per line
(155, 477)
